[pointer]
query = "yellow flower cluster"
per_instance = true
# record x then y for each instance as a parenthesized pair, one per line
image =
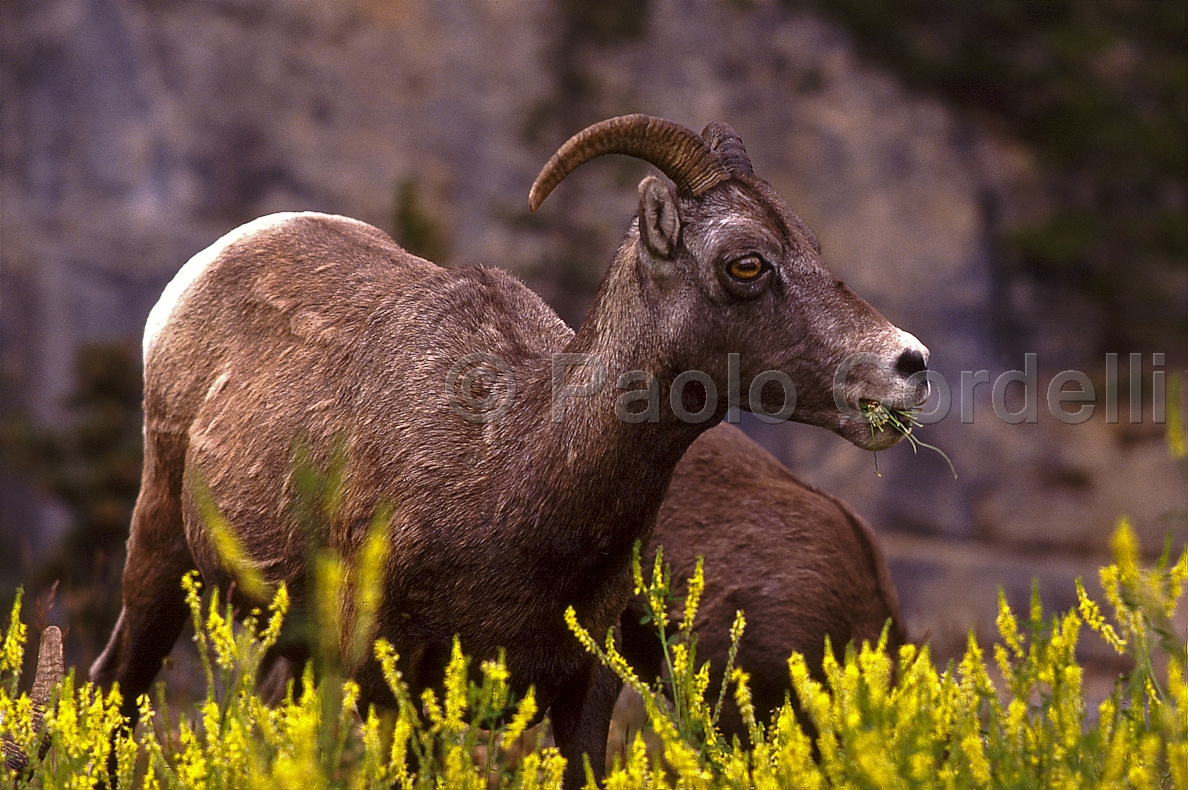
(865, 719)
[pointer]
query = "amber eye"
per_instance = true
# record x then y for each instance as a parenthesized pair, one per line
(746, 268)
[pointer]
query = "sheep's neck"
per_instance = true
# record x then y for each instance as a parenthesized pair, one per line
(621, 470)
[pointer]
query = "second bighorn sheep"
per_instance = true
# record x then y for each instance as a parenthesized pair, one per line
(320, 327)
(800, 563)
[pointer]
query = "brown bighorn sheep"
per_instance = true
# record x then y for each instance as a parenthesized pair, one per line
(315, 326)
(800, 563)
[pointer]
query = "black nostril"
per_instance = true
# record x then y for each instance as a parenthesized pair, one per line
(910, 362)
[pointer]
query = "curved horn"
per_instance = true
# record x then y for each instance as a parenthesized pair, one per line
(726, 143)
(674, 149)
(51, 667)
(15, 758)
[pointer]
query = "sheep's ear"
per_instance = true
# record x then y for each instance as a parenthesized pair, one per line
(659, 222)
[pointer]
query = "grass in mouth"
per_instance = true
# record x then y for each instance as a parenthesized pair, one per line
(883, 417)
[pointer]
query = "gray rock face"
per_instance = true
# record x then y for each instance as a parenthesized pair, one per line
(134, 134)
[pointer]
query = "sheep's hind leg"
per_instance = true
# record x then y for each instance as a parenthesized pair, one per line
(154, 606)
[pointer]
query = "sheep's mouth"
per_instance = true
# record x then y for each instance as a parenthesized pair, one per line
(887, 417)
(884, 418)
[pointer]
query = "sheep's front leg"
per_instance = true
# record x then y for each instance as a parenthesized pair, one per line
(581, 717)
(154, 609)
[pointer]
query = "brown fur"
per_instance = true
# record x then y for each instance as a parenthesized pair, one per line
(320, 328)
(800, 563)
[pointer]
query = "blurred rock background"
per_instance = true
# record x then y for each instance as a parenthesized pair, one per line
(997, 178)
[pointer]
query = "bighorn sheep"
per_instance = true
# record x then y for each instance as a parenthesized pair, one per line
(321, 327)
(800, 563)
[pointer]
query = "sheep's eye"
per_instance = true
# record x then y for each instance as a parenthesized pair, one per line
(746, 268)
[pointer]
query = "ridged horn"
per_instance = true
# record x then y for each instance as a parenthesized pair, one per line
(674, 149)
(51, 667)
(725, 142)
(15, 758)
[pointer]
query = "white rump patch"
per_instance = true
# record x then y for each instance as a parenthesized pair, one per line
(158, 317)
